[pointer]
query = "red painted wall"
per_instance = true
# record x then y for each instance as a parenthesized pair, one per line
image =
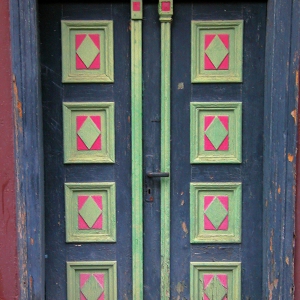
(8, 231)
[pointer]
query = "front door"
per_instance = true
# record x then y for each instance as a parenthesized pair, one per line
(153, 127)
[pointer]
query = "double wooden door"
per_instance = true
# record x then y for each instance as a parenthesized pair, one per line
(153, 187)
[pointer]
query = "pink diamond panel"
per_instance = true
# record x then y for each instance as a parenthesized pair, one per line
(84, 277)
(81, 146)
(207, 279)
(208, 146)
(207, 223)
(208, 65)
(82, 225)
(79, 38)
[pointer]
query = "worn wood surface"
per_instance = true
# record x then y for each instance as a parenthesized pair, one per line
(281, 101)
(9, 288)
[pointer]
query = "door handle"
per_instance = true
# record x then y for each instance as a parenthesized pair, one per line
(158, 174)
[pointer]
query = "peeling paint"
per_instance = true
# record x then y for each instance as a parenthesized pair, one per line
(287, 260)
(271, 240)
(16, 95)
(294, 115)
(290, 157)
(31, 241)
(180, 86)
(184, 228)
(279, 190)
(182, 202)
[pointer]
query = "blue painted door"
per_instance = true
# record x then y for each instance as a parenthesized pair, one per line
(215, 207)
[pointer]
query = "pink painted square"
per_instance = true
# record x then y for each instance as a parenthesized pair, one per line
(82, 225)
(84, 277)
(208, 65)
(208, 146)
(81, 146)
(95, 65)
(136, 6)
(207, 222)
(166, 6)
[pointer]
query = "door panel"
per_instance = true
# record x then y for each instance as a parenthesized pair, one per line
(249, 172)
(185, 256)
(58, 252)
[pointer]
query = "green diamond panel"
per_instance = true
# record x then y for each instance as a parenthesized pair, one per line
(92, 289)
(225, 280)
(215, 290)
(216, 132)
(216, 51)
(216, 212)
(87, 51)
(90, 212)
(88, 132)
(89, 219)
(210, 222)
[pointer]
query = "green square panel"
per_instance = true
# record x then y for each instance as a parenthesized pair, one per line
(216, 280)
(216, 132)
(92, 280)
(87, 51)
(217, 51)
(90, 212)
(89, 132)
(215, 212)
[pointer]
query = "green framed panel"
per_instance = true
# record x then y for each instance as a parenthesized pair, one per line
(87, 51)
(90, 212)
(217, 51)
(92, 280)
(215, 280)
(89, 132)
(215, 212)
(216, 132)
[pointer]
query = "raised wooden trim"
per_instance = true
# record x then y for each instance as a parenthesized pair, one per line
(137, 153)
(165, 211)
(280, 132)
(9, 287)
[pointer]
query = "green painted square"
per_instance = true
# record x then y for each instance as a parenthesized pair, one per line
(216, 51)
(215, 213)
(216, 133)
(86, 51)
(89, 132)
(90, 212)
(91, 288)
(215, 289)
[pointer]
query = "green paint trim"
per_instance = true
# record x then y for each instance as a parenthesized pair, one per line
(108, 192)
(136, 15)
(235, 30)
(197, 152)
(137, 158)
(165, 150)
(69, 71)
(197, 192)
(109, 268)
(231, 269)
(107, 152)
(165, 16)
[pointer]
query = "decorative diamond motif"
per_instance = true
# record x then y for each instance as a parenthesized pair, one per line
(87, 51)
(89, 132)
(216, 212)
(215, 290)
(216, 51)
(90, 212)
(216, 132)
(92, 289)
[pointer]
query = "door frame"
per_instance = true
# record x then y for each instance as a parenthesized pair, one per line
(280, 134)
